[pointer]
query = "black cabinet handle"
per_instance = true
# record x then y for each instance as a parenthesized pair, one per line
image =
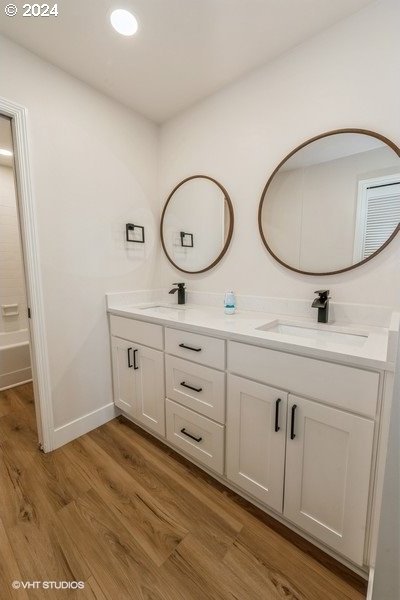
(186, 385)
(190, 435)
(278, 401)
(130, 364)
(135, 365)
(189, 348)
(292, 433)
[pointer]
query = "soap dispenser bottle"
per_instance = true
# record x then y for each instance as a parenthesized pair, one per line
(229, 303)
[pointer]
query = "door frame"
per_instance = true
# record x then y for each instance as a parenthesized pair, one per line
(30, 248)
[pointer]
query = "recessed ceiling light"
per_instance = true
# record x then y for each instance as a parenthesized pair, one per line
(124, 22)
(4, 152)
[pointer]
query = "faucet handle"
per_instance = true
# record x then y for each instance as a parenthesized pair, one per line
(322, 293)
(179, 284)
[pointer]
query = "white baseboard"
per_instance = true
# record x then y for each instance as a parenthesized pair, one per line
(9, 387)
(8, 380)
(74, 429)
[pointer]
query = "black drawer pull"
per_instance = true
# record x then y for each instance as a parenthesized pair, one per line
(189, 348)
(190, 387)
(190, 435)
(130, 364)
(135, 365)
(278, 401)
(292, 433)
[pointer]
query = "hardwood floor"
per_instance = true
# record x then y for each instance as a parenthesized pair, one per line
(133, 520)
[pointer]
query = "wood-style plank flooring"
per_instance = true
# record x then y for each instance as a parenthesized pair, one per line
(133, 520)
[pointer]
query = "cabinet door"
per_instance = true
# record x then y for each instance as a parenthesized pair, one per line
(256, 434)
(123, 374)
(328, 463)
(149, 388)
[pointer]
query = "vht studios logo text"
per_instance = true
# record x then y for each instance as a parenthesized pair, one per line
(48, 585)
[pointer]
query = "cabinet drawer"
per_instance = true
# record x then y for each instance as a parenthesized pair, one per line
(140, 332)
(198, 348)
(196, 435)
(347, 387)
(197, 387)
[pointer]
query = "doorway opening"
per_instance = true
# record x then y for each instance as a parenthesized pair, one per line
(17, 399)
(29, 240)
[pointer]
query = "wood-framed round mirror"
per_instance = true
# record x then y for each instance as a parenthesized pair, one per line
(333, 203)
(197, 224)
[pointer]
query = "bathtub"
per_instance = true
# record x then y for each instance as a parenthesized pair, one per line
(15, 360)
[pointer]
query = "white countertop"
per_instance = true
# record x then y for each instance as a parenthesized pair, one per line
(378, 351)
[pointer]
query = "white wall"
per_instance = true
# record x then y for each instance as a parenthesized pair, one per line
(344, 77)
(94, 169)
(12, 285)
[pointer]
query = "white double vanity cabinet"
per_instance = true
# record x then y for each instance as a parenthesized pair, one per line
(294, 427)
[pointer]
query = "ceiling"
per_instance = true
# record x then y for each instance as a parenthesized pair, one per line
(331, 148)
(184, 49)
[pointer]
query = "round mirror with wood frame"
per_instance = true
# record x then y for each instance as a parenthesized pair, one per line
(196, 224)
(333, 203)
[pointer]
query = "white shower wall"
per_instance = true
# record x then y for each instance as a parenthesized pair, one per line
(12, 285)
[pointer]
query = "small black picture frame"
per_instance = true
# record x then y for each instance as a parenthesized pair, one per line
(185, 235)
(131, 227)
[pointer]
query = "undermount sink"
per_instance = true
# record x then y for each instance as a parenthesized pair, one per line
(164, 309)
(316, 334)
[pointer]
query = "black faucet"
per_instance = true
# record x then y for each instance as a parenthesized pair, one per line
(322, 303)
(181, 292)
